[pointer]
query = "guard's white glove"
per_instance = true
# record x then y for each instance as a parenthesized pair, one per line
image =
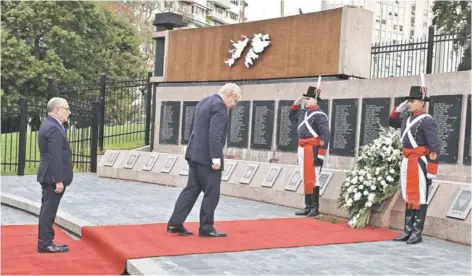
(298, 101)
(430, 176)
(402, 106)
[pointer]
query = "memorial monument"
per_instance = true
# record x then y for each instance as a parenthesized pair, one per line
(335, 44)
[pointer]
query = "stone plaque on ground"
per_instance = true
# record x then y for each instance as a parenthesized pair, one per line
(150, 162)
(262, 124)
(460, 207)
(228, 170)
(324, 179)
(187, 119)
(184, 170)
(375, 112)
(169, 124)
(343, 127)
(111, 158)
(467, 148)
(271, 176)
(132, 158)
(239, 125)
(169, 164)
(248, 173)
(294, 181)
(287, 139)
(447, 112)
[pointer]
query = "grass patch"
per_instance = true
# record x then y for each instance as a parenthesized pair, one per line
(123, 137)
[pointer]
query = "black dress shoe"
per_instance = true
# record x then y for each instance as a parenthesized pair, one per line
(62, 245)
(53, 249)
(212, 234)
(179, 229)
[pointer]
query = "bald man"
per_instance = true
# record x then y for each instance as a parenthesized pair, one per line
(55, 171)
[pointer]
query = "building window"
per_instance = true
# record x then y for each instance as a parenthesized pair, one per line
(401, 28)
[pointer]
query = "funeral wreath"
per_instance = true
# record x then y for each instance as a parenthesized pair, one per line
(374, 178)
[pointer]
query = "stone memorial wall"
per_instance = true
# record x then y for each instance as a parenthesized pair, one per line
(261, 148)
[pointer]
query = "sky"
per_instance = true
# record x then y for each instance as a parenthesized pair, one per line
(265, 9)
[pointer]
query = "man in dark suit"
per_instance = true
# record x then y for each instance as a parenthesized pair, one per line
(206, 161)
(55, 171)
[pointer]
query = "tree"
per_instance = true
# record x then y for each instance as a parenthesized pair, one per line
(71, 41)
(455, 17)
(141, 15)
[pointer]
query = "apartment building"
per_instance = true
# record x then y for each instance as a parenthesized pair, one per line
(204, 13)
(393, 20)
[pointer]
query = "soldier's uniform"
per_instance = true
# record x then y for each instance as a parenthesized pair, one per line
(313, 140)
(419, 166)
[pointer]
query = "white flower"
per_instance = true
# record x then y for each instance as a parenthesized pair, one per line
(392, 171)
(361, 187)
(361, 178)
(373, 187)
(357, 196)
(383, 183)
(354, 180)
(379, 178)
(369, 176)
(389, 179)
(371, 197)
(368, 204)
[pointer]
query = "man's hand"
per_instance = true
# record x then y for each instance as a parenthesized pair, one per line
(59, 188)
(216, 164)
(402, 106)
(298, 101)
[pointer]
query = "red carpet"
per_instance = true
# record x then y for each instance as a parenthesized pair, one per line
(105, 249)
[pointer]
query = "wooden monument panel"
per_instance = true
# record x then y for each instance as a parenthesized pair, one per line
(302, 45)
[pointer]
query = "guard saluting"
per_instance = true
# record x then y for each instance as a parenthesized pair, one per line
(313, 140)
(420, 159)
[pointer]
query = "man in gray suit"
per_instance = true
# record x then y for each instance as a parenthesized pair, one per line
(205, 158)
(55, 171)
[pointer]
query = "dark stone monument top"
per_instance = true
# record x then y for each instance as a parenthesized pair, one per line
(343, 127)
(467, 148)
(262, 124)
(168, 21)
(447, 112)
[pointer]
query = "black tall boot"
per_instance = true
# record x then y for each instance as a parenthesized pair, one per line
(308, 205)
(409, 217)
(316, 202)
(418, 225)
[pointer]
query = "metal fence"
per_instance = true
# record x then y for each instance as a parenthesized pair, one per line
(20, 152)
(433, 54)
(105, 114)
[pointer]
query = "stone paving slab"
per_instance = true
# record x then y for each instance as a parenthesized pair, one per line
(13, 216)
(384, 258)
(109, 201)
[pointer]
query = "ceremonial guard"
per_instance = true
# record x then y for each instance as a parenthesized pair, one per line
(313, 139)
(420, 159)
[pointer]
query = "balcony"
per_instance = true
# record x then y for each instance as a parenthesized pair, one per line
(218, 15)
(226, 4)
(202, 3)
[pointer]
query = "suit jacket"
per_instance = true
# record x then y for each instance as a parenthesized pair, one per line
(55, 163)
(209, 130)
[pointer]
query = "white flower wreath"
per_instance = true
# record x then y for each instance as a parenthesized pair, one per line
(374, 178)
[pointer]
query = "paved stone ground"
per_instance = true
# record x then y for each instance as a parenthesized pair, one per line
(12, 216)
(109, 201)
